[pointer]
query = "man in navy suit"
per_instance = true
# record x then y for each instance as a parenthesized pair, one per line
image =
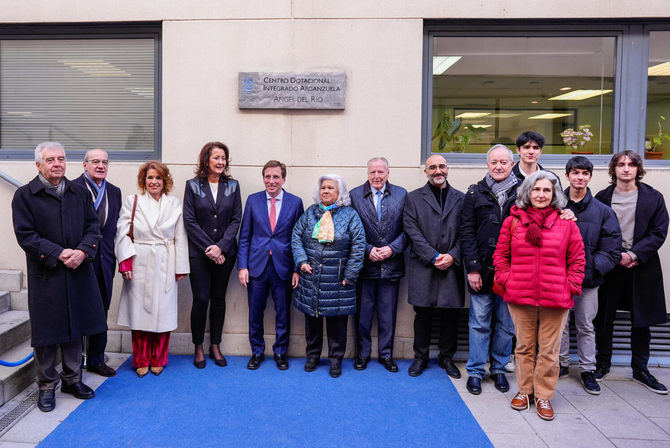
(265, 261)
(107, 204)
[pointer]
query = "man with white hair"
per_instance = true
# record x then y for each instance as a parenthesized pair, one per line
(107, 204)
(55, 224)
(486, 205)
(379, 204)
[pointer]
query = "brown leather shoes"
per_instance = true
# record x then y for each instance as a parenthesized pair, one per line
(142, 371)
(520, 402)
(544, 409)
(157, 370)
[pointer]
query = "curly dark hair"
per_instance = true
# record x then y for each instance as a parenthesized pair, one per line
(162, 170)
(202, 169)
(634, 157)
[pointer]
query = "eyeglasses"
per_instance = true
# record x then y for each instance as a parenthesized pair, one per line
(98, 162)
(441, 166)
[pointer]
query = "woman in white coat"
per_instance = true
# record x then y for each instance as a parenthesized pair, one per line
(152, 247)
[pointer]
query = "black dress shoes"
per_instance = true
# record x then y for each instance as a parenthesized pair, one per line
(417, 367)
(361, 363)
(474, 385)
(221, 362)
(78, 389)
(311, 364)
(255, 361)
(46, 400)
(448, 365)
(102, 370)
(335, 368)
(500, 382)
(198, 364)
(281, 361)
(389, 364)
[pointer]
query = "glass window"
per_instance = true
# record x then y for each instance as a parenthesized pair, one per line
(657, 140)
(84, 93)
(488, 90)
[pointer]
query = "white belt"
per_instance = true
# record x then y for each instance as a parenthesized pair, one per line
(150, 266)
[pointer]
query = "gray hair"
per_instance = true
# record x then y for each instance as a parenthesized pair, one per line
(558, 200)
(91, 150)
(39, 148)
(499, 145)
(343, 196)
(383, 159)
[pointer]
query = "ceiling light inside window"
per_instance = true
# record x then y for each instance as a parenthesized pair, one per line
(659, 70)
(94, 67)
(472, 115)
(563, 89)
(548, 116)
(578, 95)
(442, 63)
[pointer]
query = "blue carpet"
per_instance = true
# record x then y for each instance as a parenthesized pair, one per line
(233, 406)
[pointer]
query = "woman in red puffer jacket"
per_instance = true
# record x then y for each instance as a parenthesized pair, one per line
(539, 261)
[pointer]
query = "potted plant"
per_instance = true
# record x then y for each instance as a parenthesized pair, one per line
(652, 148)
(577, 139)
(447, 129)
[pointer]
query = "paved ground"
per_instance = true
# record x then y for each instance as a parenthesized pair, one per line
(625, 415)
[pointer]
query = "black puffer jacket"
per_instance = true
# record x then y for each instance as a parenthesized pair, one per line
(602, 237)
(480, 227)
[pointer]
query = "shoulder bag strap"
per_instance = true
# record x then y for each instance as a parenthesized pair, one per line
(132, 221)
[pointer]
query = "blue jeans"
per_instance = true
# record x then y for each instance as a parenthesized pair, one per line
(490, 327)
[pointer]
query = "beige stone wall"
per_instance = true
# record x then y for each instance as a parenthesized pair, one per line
(206, 43)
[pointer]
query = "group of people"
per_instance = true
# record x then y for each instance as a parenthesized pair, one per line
(527, 251)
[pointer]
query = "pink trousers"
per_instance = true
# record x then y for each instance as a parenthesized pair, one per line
(150, 349)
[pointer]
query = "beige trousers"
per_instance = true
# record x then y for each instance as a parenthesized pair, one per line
(538, 341)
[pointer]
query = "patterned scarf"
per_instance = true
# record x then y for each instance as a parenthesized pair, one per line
(500, 189)
(324, 229)
(537, 217)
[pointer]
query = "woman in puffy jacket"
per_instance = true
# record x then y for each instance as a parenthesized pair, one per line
(539, 261)
(328, 245)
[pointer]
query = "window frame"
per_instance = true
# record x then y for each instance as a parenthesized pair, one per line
(147, 30)
(630, 75)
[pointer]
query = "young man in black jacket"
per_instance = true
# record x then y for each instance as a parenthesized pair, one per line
(602, 241)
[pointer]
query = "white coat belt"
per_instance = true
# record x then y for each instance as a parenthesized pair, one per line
(151, 266)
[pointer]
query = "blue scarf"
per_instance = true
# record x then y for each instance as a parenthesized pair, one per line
(100, 191)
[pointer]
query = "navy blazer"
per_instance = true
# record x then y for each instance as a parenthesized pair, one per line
(257, 240)
(105, 260)
(209, 223)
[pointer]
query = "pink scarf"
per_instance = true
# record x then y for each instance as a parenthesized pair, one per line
(537, 217)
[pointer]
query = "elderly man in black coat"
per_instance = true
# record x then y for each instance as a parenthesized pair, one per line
(106, 199)
(432, 220)
(636, 284)
(56, 226)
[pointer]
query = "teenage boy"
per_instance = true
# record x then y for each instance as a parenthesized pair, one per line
(602, 240)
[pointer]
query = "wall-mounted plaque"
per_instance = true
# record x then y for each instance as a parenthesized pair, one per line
(310, 90)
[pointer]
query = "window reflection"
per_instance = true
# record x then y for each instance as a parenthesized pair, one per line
(657, 144)
(488, 90)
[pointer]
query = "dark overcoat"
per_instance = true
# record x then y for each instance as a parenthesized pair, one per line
(433, 230)
(64, 304)
(651, 228)
(104, 263)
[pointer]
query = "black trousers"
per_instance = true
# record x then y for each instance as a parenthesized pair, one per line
(336, 328)
(423, 321)
(640, 337)
(209, 282)
(46, 358)
(97, 343)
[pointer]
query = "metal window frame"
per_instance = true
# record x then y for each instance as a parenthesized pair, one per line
(630, 75)
(123, 30)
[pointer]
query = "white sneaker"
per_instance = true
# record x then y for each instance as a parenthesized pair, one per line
(509, 367)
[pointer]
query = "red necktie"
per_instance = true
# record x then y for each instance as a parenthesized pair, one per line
(273, 214)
